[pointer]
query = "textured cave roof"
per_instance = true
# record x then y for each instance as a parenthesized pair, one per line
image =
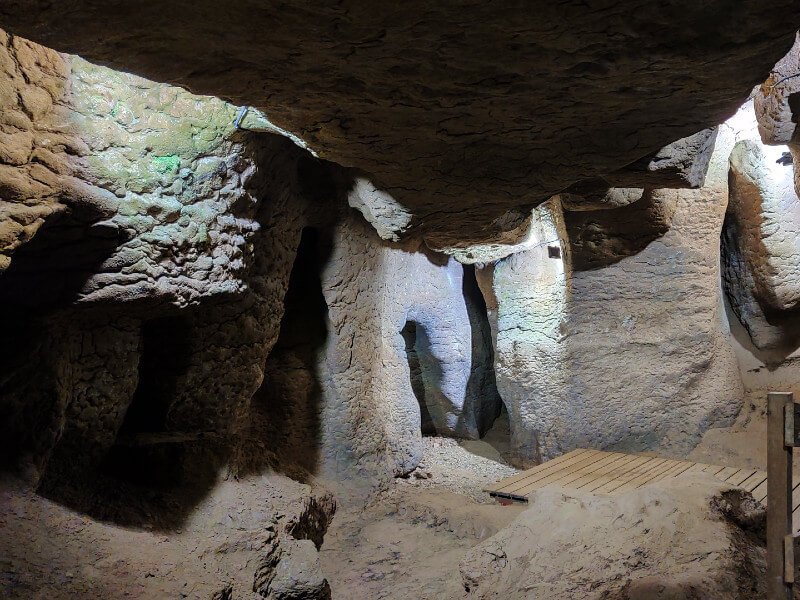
(461, 110)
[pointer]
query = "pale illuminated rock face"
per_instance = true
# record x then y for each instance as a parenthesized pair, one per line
(408, 337)
(761, 255)
(622, 344)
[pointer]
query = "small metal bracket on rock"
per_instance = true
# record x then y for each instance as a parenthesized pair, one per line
(238, 122)
(791, 424)
(782, 79)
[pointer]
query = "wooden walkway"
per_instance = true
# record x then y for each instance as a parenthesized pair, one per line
(612, 473)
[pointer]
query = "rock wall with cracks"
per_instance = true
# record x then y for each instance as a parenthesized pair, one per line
(620, 343)
(145, 305)
(136, 218)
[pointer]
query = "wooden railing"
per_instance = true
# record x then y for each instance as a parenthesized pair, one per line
(783, 434)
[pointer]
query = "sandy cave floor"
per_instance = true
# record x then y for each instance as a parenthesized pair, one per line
(407, 543)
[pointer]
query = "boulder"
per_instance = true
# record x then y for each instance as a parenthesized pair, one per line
(760, 251)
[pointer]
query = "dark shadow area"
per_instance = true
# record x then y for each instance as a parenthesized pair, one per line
(599, 238)
(425, 372)
(794, 105)
(285, 421)
(46, 273)
(166, 356)
(483, 400)
(409, 333)
(155, 472)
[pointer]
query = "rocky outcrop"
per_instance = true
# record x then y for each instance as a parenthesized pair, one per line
(681, 164)
(400, 315)
(633, 286)
(761, 255)
(147, 292)
(498, 118)
(777, 100)
(686, 538)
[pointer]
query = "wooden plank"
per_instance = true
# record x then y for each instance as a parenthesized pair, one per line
(550, 464)
(796, 496)
(624, 469)
(741, 476)
(779, 487)
(698, 467)
(634, 469)
(760, 492)
(614, 472)
(648, 477)
(726, 472)
(537, 474)
(556, 476)
(604, 470)
(678, 469)
(556, 471)
(713, 469)
(619, 470)
(752, 482)
(608, 459)
(527, 473)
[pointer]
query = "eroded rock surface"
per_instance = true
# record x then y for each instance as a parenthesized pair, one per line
(633, 286)
(451, 106)
(760, 249)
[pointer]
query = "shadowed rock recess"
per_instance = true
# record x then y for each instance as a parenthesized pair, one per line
(260, 260)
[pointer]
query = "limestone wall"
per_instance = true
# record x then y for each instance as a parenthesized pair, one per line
(623, 344)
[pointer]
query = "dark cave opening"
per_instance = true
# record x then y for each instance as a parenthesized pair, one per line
(417, 350)
(483, 399)
(285, 422)
(166, 354)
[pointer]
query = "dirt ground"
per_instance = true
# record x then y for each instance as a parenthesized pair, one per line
(406, 543)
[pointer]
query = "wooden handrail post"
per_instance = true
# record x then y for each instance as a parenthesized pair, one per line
(780, 560)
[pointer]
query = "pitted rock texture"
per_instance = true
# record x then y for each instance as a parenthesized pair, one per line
(34, 78)
(618, 295)
(161, 193)
(451, 106)
(761, 251)
(143, 299)
(777, 100)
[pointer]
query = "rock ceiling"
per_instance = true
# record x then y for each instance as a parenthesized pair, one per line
(467, 113)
